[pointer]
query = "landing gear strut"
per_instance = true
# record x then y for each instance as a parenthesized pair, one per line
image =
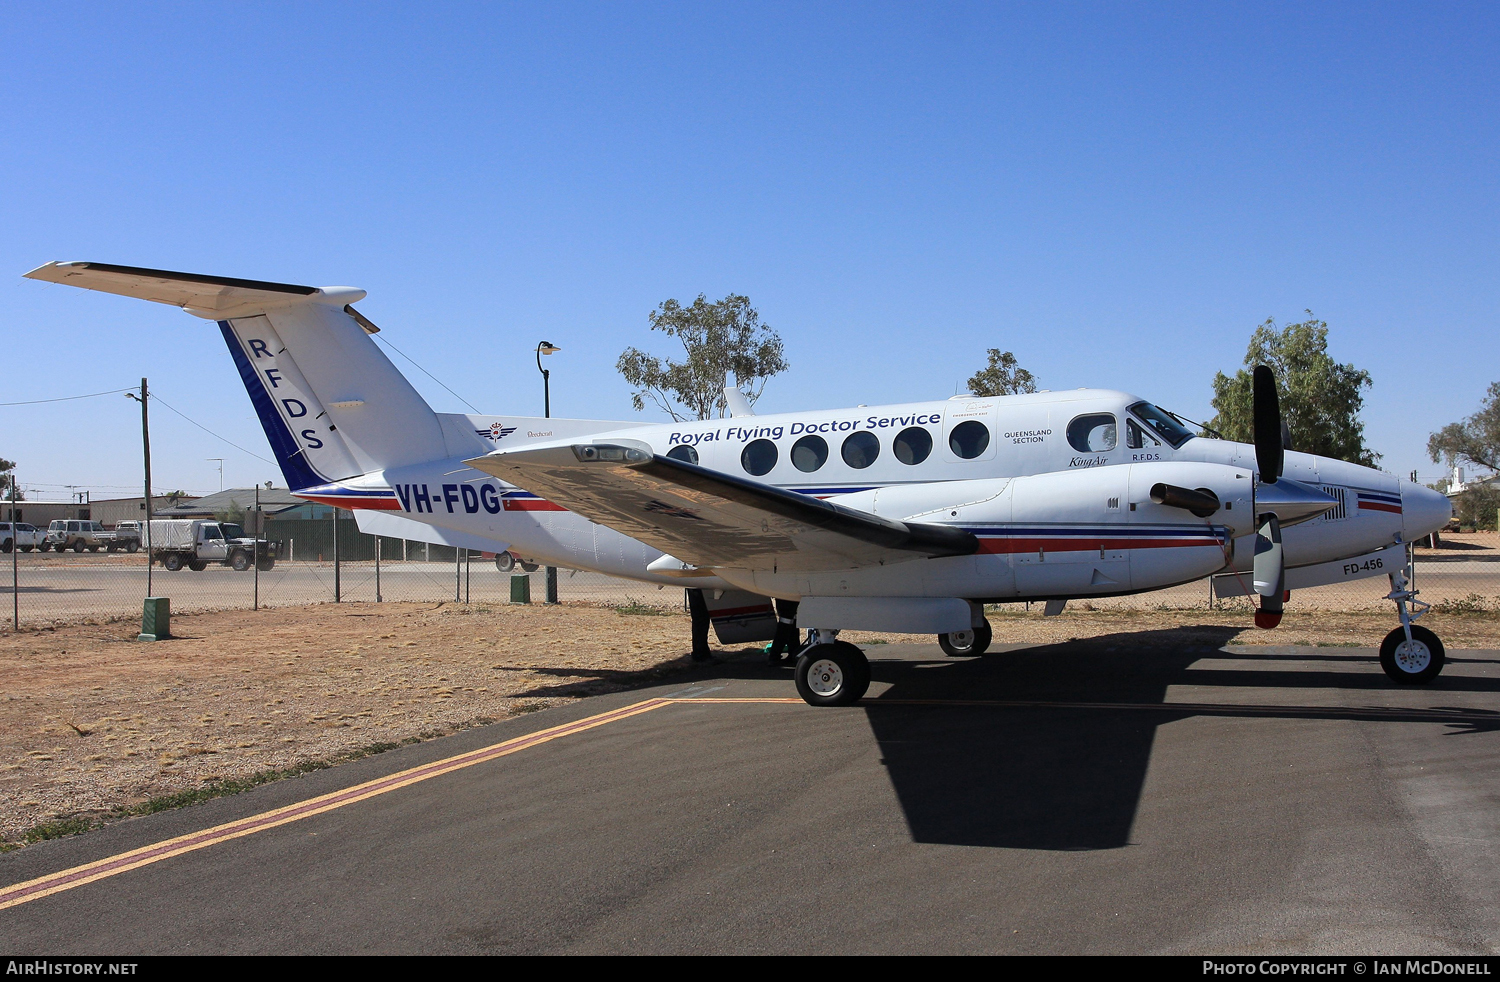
(1410, 655)
(831, 672)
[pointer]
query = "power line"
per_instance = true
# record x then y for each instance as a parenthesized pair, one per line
(157, 398)
(34, 402)
(427, 373)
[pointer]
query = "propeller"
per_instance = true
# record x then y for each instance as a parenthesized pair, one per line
(1269, 569)
(1270, 454)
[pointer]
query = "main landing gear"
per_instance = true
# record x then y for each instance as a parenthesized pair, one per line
(831, 672)
(975, 641)
(1410, 655)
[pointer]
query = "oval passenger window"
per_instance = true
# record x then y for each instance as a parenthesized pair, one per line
(912, 445)
(684, 453)
(860, 449)
(758, 457)
(809, 453)
(969, 439)
(1094, 433)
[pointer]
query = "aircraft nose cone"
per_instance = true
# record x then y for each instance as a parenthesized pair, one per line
(1423, 510)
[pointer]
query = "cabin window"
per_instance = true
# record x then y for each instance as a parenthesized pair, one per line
(1094, 433)
(1138, 437)
(809, 453)
(860, 449)
(969, 439)
(684, 453)
(912, 445)
(212, 532)
(1164, 423)
(758, 457)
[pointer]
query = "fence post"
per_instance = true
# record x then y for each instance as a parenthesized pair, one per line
(337, 595)
(377, 568)
(458, 569)
(468, 573)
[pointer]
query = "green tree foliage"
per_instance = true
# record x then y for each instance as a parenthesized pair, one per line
(1320, 399)
(1476, 439)
(1003, 376)
(719, 340)
(6, 466)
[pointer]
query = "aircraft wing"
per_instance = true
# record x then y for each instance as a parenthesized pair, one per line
(709, 519)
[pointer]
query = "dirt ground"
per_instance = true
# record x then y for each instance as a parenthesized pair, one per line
(92, 721)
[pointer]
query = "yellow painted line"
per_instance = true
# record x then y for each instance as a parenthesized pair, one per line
(44, 886)
(779, 700)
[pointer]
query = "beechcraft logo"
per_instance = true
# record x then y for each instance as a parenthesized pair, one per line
(496, 431)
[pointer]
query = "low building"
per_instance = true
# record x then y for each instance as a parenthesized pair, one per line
(106, 511)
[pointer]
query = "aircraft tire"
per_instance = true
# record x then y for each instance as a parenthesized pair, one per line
(529, 567)
(1415, 663)
(836, 674)
(505, 562)
(965, 643)
(171, 562)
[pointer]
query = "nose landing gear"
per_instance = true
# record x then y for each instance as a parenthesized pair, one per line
(1410, 655)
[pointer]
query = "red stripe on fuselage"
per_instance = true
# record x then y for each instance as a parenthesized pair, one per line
(1376, 506)
(530, 504)
(1087, 545)
(374, 504)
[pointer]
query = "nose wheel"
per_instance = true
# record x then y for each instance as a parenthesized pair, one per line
(1410, 655)
(833, 673)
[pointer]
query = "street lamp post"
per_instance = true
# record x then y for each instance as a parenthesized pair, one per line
(547, 348)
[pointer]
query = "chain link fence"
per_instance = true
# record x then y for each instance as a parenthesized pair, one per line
(1461, 574)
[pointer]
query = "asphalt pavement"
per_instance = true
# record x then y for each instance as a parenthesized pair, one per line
(1146, 792)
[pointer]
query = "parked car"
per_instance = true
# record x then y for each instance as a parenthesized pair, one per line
(127, 537)
(196, 542)
(20, 536)
(78, 535)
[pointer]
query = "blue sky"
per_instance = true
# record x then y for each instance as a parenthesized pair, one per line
(1118, 193)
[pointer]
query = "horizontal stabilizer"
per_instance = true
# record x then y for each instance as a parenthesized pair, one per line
(711, 519)
(212, 297)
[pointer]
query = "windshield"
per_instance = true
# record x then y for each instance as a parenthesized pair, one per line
(232, 531)
(1175, 433)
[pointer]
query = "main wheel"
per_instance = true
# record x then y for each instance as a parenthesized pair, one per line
(529, 567)
(836, 674)
(171, 562)
(505, 562)
(1414, 662)
(971, 642)
(240, 561)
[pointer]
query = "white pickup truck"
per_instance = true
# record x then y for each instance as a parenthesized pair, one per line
(196, 542)
(20, 536)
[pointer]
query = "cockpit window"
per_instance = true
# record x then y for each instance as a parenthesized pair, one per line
(1164, 423)
(1138, 437)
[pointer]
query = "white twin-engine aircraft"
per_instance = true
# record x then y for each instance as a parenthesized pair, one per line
(905, 518)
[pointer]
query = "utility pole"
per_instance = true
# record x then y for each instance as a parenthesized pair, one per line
(220, 462)
(146, 452)
(256, 553)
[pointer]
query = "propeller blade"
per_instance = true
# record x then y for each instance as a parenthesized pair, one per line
(1269, 572)
(1267, 424)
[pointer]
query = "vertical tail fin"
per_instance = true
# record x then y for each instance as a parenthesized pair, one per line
(332, 404)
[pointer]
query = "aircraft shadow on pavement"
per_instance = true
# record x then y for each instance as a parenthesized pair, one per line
(1066, 775)
(1063, 774)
